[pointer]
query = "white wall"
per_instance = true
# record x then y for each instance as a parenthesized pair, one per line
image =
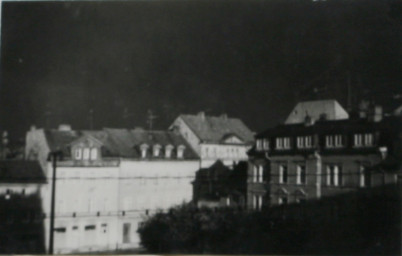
(152, 186)
(84, 191)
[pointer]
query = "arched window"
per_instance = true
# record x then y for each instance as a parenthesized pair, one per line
(168, 151)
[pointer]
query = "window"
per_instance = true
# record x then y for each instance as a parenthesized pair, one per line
(259, 144)
(266, 144)
(283, 174)
(126, 232)
(180, 151)
(144, 148)
(168, 151)
(283, 143)
(78, 153)
(363, 140)
(304, 141)
(368, 139)
(283, 200)
(301, 174)
(301, 200)
(334, 175)
(358, 140)
(94, 153)
(338, 140)
(86, 154)
(258, 171)
(257, 202)
(60, 230)
(334, 141)
(365, 177)
(156, 150)
(90, 227)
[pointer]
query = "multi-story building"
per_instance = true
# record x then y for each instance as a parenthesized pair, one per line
(21, 216)
(215, 138)
(108, 181)
(323, 155)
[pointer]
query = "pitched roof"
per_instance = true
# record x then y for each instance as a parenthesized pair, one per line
(213, 129)
(331, 109)
(119, 142)
(21, 171)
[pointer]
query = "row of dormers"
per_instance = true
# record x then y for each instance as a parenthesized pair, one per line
(359, 140)
(84, 152)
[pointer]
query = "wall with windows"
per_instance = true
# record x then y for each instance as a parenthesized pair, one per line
(296, 178)
(227, 153)
(86, 208)
(148, 186)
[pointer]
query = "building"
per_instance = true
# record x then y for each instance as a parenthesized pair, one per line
(215, 138)
(21, 216)
(221, 186)
(319, 157)
(109, 180)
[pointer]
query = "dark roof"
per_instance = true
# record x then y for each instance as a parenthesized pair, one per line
(21, 171)
(119, 142)
(333, 126)
(214, 129)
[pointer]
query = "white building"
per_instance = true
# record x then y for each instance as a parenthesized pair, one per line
(215, 138)
(109, 180)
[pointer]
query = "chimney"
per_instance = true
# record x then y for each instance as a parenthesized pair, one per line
(33, 128)
(377, 113)
(224, 116)
(202, 115)
(64, 127)
(308, 120)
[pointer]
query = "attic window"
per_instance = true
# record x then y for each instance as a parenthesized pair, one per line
(157, 149)
(78, 153)
(144, 148)
(168, 151)
(86, 154)
(94, 153)
(180, 151)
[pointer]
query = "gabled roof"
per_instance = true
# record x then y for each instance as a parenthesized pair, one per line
(21, 171)
(331, 109)
(118, 142)
(213, 129)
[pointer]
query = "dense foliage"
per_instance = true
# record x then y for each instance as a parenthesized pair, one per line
(360, 225)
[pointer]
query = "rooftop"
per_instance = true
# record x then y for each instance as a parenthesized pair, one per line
(21, 171)
(213, 129)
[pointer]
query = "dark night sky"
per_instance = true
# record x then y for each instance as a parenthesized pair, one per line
(251, 59)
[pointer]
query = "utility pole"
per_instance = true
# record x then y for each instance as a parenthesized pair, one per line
(349, 92)
(53, 156)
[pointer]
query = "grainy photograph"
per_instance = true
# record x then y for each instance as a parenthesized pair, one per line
(251, 127)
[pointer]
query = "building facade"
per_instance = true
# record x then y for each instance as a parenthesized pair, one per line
(215, 138)
(109, 181)
(317, 157)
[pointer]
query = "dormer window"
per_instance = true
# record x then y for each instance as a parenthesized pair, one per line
(180, 151)
(86, 154)
(168, 151)
(94, 153)
(144, 149)
(78, 154)
(156, 150)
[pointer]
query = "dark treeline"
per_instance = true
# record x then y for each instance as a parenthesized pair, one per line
(363, 223)
(185, 56)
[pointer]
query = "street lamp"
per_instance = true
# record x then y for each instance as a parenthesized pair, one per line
(53, 156)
